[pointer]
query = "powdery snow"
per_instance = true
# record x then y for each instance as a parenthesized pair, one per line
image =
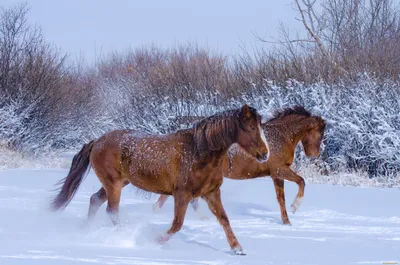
(334, 225)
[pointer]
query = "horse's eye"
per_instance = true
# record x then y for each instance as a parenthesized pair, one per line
(253, 128)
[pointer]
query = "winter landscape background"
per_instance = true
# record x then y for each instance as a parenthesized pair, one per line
(342, 63)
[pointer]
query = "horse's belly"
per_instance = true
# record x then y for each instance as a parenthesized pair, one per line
(157, 182)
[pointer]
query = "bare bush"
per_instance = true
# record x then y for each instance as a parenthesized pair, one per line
(185, 70)
(38, 98)
(343, 39)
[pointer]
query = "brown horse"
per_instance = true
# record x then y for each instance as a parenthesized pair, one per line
(186, 164)
(284, 131)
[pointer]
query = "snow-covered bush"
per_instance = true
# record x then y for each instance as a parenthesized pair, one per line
(363, 116)
(43, 100)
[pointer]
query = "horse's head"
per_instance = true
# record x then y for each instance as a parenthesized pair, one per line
(250, 136)
(241, 126)
(313, 138)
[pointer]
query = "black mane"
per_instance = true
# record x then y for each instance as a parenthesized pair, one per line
(298, 110)
(219, 130)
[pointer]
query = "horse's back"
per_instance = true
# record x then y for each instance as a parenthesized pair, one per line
(150, 162)
(243, 166)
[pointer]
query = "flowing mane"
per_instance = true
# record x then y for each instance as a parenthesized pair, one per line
(298, 110)
(216, 132)
(219, 131)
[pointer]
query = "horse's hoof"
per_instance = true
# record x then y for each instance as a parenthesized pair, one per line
(287, 223)
(296, 204)
(239, 251)
(293, 208)
(155, 208)
(118, 228)
(162, 239)
(85, 224)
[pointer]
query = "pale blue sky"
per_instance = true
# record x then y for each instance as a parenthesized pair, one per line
(83, 27)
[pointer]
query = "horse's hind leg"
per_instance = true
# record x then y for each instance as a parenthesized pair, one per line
(195, 206)
(160, 202)
(113, 198)
(280, 196)
(97, 200)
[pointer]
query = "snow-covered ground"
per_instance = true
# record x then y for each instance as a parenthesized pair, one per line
(334, 225)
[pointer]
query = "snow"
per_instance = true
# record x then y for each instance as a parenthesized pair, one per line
(334, 225)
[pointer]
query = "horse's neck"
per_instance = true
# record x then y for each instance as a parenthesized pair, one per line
(206, 156)
(298, 128)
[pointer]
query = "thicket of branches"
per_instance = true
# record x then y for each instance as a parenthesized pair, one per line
(346, 69)
(343, 38)
(41, 97)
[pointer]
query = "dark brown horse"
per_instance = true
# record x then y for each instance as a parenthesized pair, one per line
(284, 131)
(186, 164)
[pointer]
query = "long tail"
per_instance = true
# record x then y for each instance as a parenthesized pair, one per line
(70, 184)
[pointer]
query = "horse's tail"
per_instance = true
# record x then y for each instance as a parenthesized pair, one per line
(70, 184)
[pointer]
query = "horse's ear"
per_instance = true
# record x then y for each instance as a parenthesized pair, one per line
(245, 112)
(321, 123)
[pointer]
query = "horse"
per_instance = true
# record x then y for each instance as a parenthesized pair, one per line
(284, 131)
(185, 164)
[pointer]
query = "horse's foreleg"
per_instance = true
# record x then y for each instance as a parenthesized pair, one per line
(181, 202)
(195, 206)
(288, 174)
(214, 203)
(160, 202)
(280, 196)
